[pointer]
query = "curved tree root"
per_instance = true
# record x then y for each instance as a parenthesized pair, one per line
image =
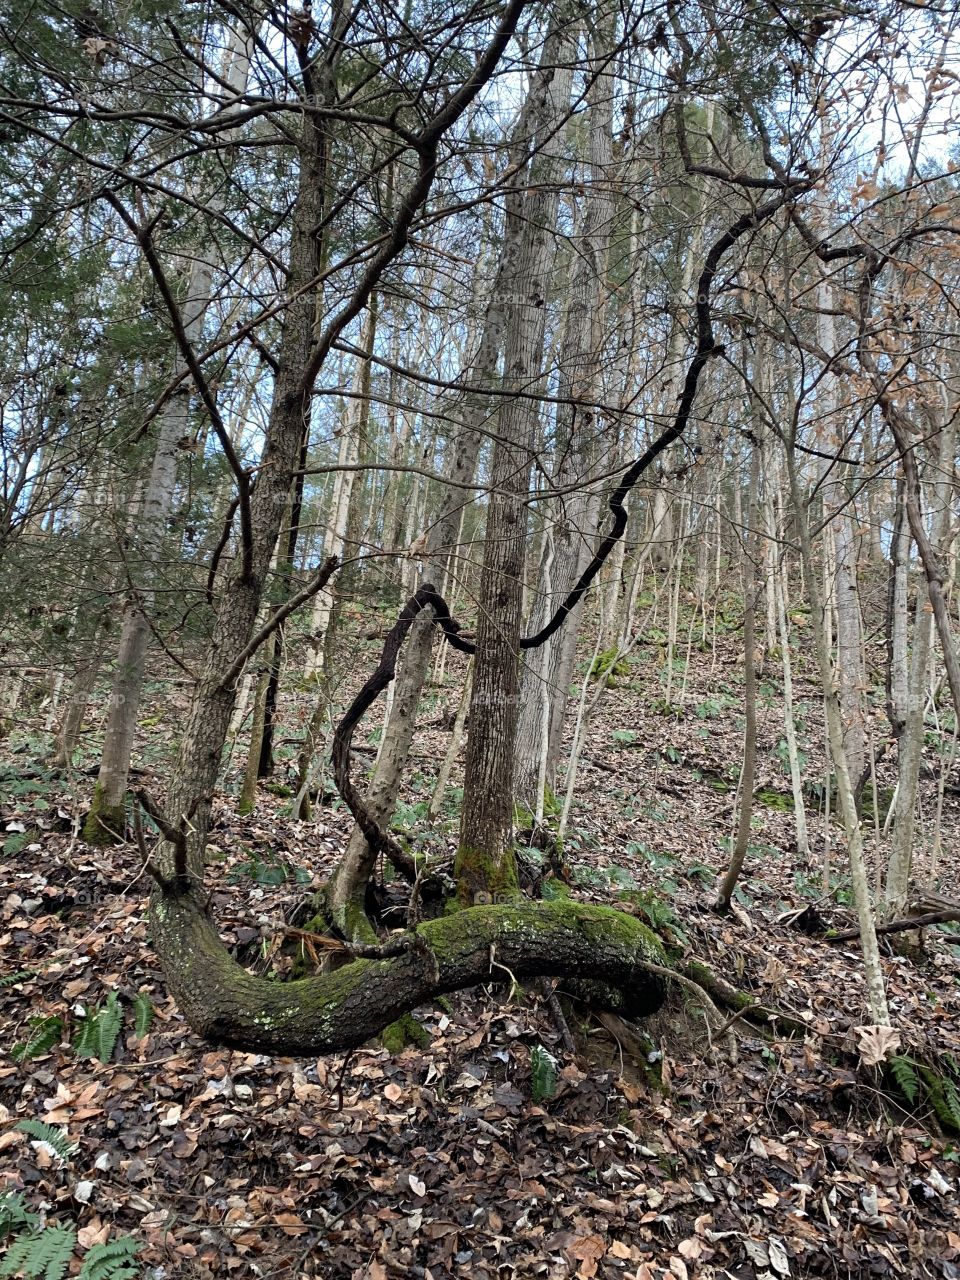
(743, 1005)
(336, 1011)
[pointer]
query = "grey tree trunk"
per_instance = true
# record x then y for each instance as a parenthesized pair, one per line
(485, 866)
(899, 868)
(547, 672)
(106, 819)
(346, 890)
(751, 554)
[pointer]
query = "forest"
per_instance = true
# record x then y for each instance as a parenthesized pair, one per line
(479, 669)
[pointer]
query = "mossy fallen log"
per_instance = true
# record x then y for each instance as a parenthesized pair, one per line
(336, 1011)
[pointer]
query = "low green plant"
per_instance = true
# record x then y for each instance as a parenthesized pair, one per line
(143, 1012)
(905, 1074)
(47, 1031)
(265, 872)
(15, 1215)
(99, 1030)
(700, 871)
(21, 975)
(543, 1073)
(55, 1139)
(932, 1084)
(657, 858)
(113, 1260)
(45, 1252)
(41, 1255)
(711, 708)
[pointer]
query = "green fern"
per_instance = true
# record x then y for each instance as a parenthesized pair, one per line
(55, 1139)
(98, 1033)
(47, 1032)
(43, 1255)
(21, 975)
(904, 1071)
(111, 1261)
(14, 1215)
(543, 1073)
(142, 1015)
(951, 1101)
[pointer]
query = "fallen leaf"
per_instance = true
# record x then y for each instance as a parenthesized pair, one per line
(587, 1250)
(876, 1043)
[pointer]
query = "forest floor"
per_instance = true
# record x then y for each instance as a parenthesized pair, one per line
(791, 1161)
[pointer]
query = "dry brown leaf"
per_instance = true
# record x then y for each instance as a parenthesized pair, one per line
(588, 1250)
(876, 1043)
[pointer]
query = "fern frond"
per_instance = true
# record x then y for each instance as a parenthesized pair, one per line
(951, 1101)
(111, 1261)
(905, 1073)
(44, 1255)
(47, 1033)
(11, 979)
(142, 1015)
(543, 1073)
(99, 1031)
(55, 1139)
(14, 1214)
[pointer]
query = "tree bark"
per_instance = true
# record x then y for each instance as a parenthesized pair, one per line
(342, 1009)
(751, 553)
(547, 672)
(485, 866)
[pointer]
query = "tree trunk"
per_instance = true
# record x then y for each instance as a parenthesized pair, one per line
(485, 866)
(547, 671)
(751, 553)
(876, 995)
(342, 1009)
(911, 738)
(106, 819)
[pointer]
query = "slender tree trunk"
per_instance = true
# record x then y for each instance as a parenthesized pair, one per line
(547, 672)
(346, 891)
(106, 819)
(345, 486)
(911, 739)
(789, 717)
(190, 792)
(485, 866)
(751, 553)
(873, 971)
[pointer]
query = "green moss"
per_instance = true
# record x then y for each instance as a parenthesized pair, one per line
(447, 935)
(773, 799)
(482, 877)
(351, 921)
(608, 665)
(105, 823)
(405, 1031)
(553, 888)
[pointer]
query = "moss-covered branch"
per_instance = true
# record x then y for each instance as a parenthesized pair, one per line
(337, 1011)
